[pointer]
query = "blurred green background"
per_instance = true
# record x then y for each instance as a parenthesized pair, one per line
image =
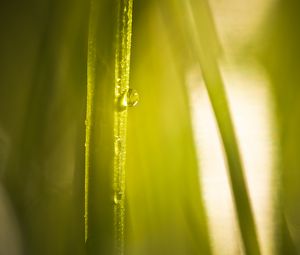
(178, 195)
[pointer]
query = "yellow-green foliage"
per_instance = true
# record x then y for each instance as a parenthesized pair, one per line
(67, 135)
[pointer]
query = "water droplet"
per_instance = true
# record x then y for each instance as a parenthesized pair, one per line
(129, 98)
(118, 197)
(132, 97)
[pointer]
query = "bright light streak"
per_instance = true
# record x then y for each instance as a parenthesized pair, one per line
(252, 112)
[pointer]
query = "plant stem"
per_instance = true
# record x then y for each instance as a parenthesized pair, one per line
(215, 87)
(109, 38)
(122, 69)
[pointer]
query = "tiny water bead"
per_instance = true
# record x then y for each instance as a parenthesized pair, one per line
(129, 98)
(132, 97)
(118, 197)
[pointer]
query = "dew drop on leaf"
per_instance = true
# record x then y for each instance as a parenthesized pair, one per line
(129, 98)
(118, 197)
(132, 97)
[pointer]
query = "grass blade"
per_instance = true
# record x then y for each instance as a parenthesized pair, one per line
(215, 87)
(106, 123)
